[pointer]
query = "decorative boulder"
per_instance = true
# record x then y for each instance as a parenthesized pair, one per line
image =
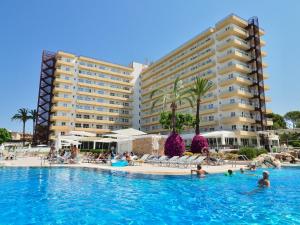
(174, 145)
(198, 144)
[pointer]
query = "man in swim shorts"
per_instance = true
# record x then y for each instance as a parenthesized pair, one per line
(199, 171)
(264, 182)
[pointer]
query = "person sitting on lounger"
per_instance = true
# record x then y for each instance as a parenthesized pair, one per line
(128, 158)
(63, 158)
(199, 171)
(264, 181)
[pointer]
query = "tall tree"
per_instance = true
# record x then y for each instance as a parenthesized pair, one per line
(200, 87)
(176, 97)
(183, 120)
(22, 115)
(278, 121)
(174, 145)
(293, 117)
(33, 116)
(4, 135)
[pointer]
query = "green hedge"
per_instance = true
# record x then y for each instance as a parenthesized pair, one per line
(251, 153)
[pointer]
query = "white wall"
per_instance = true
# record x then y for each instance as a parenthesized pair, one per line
(136, 117)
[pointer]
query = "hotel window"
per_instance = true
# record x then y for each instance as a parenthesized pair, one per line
(63, 123)
(232, 114)
(233, 127)
(245, 127)
(110, 127)
(77, 124)
(231, 88)
(99, 126)
(231, 101)
(78, 115)
(86, 116)
(99, 117)
(86, 125)
(111, 119)
(211, 118)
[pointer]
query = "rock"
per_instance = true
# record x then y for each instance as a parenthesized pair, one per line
(266, 159)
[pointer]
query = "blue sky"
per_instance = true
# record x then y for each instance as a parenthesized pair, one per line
(121, 31)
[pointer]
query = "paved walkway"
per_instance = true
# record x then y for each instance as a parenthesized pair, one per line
(144, 168)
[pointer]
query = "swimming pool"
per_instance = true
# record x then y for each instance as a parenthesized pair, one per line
(87, 196)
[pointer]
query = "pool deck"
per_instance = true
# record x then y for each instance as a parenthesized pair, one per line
(143, 168)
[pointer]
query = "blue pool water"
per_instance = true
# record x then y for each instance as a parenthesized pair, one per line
(85, 196)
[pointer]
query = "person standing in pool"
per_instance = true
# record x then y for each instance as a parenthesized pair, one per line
(199, 171)
(264, 182)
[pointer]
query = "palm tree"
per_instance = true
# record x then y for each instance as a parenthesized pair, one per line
(174, 145)
(198, 90)
(22, 115)
(33, 116)
(177, 96)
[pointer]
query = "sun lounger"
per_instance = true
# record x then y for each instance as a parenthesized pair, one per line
(168, 162)
(141, 160)
(197, 161)
(179, 161)
(187, 162)
(158, 160)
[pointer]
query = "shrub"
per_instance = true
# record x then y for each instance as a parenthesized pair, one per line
(174, 145)
(230, 156)
(198, 143)
(251, 153)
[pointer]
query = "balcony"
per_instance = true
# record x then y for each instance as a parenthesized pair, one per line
(208, 110)
(239, 79)
(233, 42)
(60, 128)
(60, 118)
(244, 133)
(236, 54)
(204, 123)
(60, 108)
(266, 87)
(231, 106)
(268, 99)
(61, 89)
(266, 76)
(263, 54)
(208, 99)
(242, 93)
(59, 71)
(269, 122)
(233, 30)
(60, 62)
(234, 67)
(269, 111)
(93, 130)
(237, 119)
(56, 99)
(59, 80)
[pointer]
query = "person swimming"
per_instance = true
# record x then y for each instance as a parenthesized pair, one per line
(242, 170)
(199, 171)
(229, 173)
(264, 181)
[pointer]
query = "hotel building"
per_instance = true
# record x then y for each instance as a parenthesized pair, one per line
(229, 55)
(85, 94)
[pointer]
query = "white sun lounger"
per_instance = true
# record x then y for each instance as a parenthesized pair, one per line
(168, 162)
